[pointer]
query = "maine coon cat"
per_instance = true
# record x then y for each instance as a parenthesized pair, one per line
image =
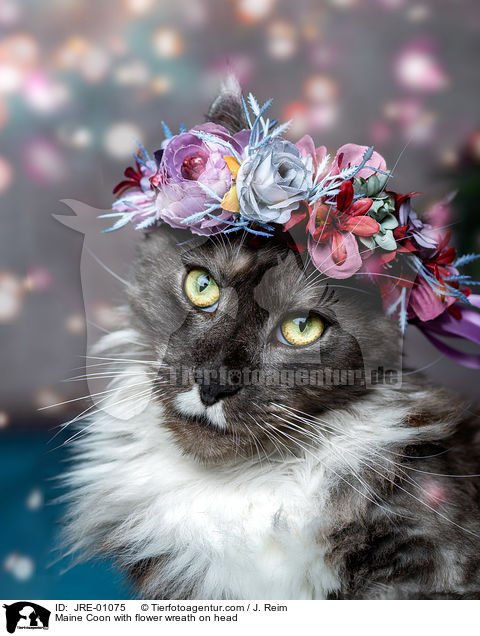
(246, 452)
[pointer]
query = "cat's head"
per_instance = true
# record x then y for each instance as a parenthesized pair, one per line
(249, 337)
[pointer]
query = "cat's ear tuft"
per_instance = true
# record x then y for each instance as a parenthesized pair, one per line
(227, 109)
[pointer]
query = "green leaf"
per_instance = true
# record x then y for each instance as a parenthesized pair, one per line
(389, 222)
(386, 241)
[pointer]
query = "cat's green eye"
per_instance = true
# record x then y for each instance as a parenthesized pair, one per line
(201, 289)
(302, 330)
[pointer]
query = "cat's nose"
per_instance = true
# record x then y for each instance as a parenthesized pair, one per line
(211, 393)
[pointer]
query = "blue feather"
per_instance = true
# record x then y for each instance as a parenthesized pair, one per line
(118, 224)
(166, 130)
(461, 278)
(247, 229)
(254, 137)
(146, 223)
(456, 293)
(253, 104)
(466, 258)
(143, 149)
(233, 229)
(197, 216)
(246, 113)
(367, 154)
(209, 191)
(140, 160)
(213, 139)
(110, 215)
(185, 242)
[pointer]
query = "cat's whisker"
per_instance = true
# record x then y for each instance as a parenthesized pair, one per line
(107, 269)
(271, 437)
(89, 410)
(427, 366)
(137, 396)
(219, 240)
(235, 442)
(298, 428)
(315, 456)
(346, 434)
(240, 243)
(89, 395)
(90, 413)
(142, 345)
(100, 364)
(64, 425)
(315, 438)
(374, 495)
(268, 432)
(107, 374)
(424, 503)
(410, 481)
(314, 419)
(342, 458)
(256, 442)
(370, 448)
(129, 360)
(274, 429)
(356, 473)
(427, 472)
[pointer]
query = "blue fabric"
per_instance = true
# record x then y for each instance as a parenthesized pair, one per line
(28, 462)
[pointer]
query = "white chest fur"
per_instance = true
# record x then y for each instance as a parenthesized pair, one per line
(255, 537)
(254, 530)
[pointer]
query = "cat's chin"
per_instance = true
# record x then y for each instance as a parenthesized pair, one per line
(204, 441)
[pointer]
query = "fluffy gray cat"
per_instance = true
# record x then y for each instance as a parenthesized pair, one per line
(262, 444)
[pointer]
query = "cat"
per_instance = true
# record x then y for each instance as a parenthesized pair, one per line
(244, 451)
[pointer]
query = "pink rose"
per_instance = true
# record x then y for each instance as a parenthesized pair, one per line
(351, 155)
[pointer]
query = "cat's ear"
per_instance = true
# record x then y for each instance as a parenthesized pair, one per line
(227, 109)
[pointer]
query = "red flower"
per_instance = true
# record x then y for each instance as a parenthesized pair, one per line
(133, 176)
(332, 226)
(330, 223)
(440, 264)
(401, 235)
(332, 245)
(427, 304)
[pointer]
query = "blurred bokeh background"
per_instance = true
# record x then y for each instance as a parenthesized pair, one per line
(81, 81)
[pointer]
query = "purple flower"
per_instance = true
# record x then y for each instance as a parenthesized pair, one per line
(188, 158)
(423, 236)
(188, 161)
(177, 200)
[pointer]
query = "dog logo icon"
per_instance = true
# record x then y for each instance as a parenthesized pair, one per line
(26, 615)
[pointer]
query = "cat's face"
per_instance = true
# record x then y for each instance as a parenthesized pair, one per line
(248, 337)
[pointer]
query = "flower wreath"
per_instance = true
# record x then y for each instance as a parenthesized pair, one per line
(210, 181)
